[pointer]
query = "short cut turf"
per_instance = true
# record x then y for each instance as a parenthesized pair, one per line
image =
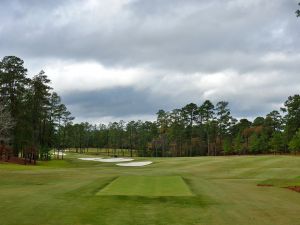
(147, 186)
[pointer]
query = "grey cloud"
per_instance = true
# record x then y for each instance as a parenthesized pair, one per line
(167, 37)
(118, 102)
(155, 35)
(245, 100)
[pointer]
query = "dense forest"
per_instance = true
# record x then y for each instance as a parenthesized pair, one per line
(194, 130)
(32, 114)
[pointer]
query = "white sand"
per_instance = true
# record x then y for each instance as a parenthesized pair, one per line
(90, 159)
(108, 159)
(145, 163)
(115, 160)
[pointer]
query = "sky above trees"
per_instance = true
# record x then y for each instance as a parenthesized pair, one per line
(125, 59)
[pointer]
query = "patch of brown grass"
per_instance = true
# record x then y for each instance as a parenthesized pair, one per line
(294, 188)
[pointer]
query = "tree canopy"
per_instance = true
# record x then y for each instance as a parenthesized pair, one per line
(32, 113)
(30, 110)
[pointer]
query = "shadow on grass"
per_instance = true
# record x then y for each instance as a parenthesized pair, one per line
(91, 189)
(182, 201)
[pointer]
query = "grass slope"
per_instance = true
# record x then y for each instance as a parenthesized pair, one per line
(225, 192)
(147, 186)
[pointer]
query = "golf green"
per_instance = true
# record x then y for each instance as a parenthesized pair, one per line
(147, 186)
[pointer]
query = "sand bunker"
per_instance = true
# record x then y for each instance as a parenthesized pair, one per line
(145, 163)
(90, 159)
(108, 159)
(115, 160)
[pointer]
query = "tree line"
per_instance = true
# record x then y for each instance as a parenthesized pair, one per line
(195, 130)
(32, 114)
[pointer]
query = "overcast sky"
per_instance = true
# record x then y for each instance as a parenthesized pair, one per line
(125, 59)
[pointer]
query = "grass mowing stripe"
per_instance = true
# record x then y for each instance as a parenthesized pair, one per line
(147, 186)
(225, 189)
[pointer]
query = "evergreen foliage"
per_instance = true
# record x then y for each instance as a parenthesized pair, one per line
(36, 116)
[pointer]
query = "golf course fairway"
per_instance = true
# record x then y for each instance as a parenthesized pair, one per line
(235, 190)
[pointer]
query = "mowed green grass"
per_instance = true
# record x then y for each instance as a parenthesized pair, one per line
(147, 186)
(224, 189)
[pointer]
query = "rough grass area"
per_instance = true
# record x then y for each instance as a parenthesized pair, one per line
(225, 192)
(281, 182)
(147, 186)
